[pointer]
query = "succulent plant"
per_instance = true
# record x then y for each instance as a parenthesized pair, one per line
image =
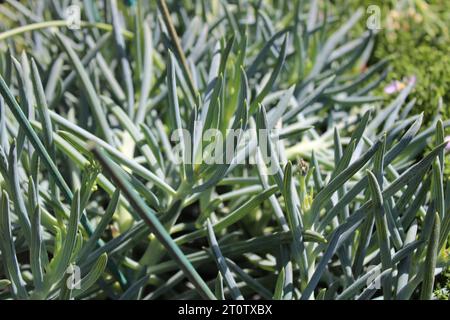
(107, 191)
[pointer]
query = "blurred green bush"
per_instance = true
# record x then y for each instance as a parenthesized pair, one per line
(416, 34)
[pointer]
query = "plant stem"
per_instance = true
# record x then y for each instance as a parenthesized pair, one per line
(176, 42)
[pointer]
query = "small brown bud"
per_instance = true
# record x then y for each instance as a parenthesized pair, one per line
(303, 167)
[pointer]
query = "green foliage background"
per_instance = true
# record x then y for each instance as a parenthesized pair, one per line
(416, 34)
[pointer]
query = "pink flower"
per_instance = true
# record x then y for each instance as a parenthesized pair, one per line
(447, 147)
(396, 86)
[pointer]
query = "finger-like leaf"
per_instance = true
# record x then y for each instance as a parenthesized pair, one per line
(9, 251)
(125, 64)
(219, 287)
(94, 274)
(430, 261)
(222, 264)
(382, 231)
(279, 287)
